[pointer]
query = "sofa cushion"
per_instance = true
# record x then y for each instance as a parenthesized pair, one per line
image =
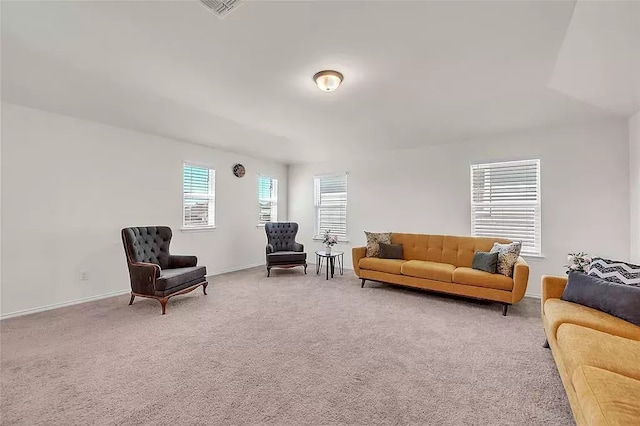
(557, 312)
(390, 266)
(620, 300)
(606, 398)
(170, 278)
(286, 257)
(429, 270)
(584, 346)
(469, 276)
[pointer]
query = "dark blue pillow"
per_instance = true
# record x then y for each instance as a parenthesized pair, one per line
(619, 300)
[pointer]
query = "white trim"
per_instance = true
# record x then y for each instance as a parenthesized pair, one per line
(63, 304)
(199, 228)
(104, 296)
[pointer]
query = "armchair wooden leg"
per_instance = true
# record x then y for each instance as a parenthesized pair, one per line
(504, 309)
(163, 303)
(204, 288)
(268, 271)
(305, 269)
(133, 296)
(363, 281)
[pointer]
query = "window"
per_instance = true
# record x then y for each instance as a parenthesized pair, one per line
(505, 202)
(198, 197)
(331, 205)
(267, 200)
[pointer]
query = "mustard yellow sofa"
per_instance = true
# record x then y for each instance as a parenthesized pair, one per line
(443, 263)
(598, 358)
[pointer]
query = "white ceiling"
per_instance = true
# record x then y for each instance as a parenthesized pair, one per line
(416, 73)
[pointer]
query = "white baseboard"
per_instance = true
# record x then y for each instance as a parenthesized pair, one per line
(63, 304)
(103, 296)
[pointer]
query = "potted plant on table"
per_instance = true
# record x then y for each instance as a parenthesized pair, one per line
(578, 262)
(329, 241)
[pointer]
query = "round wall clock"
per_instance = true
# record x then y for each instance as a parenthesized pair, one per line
(238, 170)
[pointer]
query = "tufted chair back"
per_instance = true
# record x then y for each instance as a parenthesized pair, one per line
(148, 244)
(282, 235)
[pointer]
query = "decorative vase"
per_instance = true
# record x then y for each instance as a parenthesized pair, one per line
(327, 249)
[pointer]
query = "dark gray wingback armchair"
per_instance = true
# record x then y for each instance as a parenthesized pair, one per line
(282, 249)
(154, 272)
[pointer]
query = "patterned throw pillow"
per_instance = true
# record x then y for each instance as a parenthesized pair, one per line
(373, 238)
(615, 271)
(507, 257)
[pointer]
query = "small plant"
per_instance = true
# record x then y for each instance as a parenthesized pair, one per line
(578, 262)
(329, 240)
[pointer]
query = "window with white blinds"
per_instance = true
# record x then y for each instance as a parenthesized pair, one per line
(267, 200)
(331, 205)
(198, 196)
(505, 202)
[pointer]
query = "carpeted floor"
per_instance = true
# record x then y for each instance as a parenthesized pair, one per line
(286, 350)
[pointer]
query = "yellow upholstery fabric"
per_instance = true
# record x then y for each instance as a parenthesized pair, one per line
(440, 253)
(429, 270)
(439, 286)
(477, 278)
(557, 312)
(584, 346)
(454, 250)
(607, 398)
(391, 266)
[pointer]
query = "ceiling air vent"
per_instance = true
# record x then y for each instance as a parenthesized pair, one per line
(221, 7)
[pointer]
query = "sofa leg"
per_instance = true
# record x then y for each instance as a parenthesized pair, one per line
(504, 309)
(133, 296)
(545, 344)
(268, 272)
(363, 281)
(163, 303)
(204, 288)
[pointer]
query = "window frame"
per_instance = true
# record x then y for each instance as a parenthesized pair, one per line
(211, 196)
(318, 236)
(537, 226)
(275, 190)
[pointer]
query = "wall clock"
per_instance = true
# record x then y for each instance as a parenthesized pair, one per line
(238, 170)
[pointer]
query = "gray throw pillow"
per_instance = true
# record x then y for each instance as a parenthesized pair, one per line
(390, 251)
(484, 261)
(619, 300)
(507, 257)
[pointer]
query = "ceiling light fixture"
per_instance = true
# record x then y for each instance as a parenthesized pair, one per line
(328, 80)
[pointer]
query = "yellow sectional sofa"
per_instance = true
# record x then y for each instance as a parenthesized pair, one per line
(598, 358)
(443, 263)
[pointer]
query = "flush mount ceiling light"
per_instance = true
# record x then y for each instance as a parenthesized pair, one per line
(328, 80)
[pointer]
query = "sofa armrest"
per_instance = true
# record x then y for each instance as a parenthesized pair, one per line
(143, 277)
(552, 287)
(357, 253)
(182, 261)
(520, 279)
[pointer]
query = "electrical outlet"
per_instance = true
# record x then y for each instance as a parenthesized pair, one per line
(84, 276)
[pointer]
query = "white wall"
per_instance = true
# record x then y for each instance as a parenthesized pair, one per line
(585, 190)
(634, 184)
(69, 186)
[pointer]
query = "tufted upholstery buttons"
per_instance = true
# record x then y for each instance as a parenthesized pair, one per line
(150, 244)
(282, 235)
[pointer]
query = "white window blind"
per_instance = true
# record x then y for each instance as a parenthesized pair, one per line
(267, 199)
(198, 192)
(505, 202)
(331, 205)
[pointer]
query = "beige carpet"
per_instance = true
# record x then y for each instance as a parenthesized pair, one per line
(286, 350)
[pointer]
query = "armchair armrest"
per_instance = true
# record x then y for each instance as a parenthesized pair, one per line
(520, 279)
(357, 253)
(269, 249)
(143, 277)
(182, 261)
(552, 288)
(298, 247)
